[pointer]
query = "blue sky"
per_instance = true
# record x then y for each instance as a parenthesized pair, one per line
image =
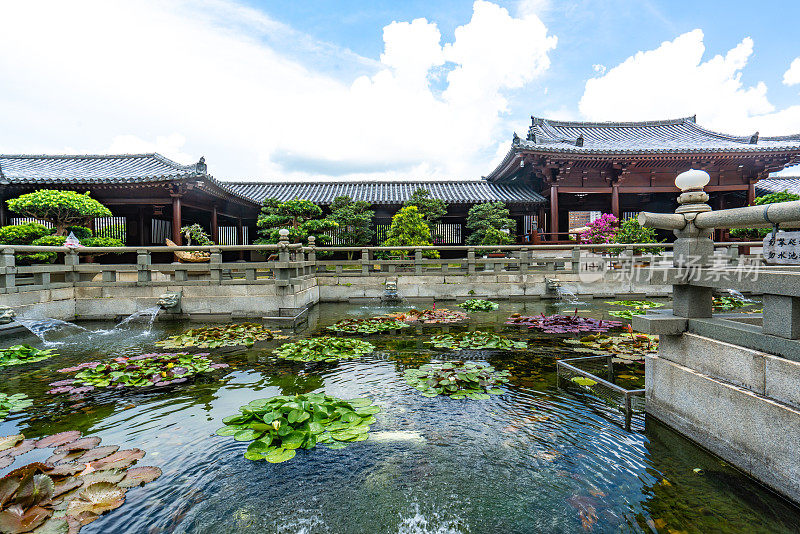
(590, 32)
(379, 90)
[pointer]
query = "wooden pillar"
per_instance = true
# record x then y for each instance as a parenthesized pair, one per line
(239, 236)
(751, 193)
(143, 241)
(615, 200)
(2, 212)
(176, 219)
(214, 225)
(554, 211)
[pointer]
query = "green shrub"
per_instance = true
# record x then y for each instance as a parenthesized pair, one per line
(431, 209)
(60, 208)
(301, 217)
(491, 224)
(408, 229)
(630, 231)
(22, 234)
(43, 257)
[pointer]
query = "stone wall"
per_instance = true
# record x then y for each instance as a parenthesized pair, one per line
(741, 404)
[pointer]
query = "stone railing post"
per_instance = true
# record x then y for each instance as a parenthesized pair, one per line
(282, 272)
(311, 255)
(471, 261)
(575, 263)
(8, 269)
(143, 262)
(524, 261)
(71, 259)
(418, 261)
(364, 261)
(215, 265)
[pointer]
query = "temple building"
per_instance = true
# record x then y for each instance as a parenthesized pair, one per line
(560, 177)
(627, 167)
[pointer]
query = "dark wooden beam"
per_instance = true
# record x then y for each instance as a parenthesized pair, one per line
(214, 224)
(176, 219)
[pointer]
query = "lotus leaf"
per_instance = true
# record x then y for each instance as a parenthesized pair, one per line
(145, 370)
(626, 348)
(479, 305)
(434, 316)
(372, 325)
(476, 340)
(563, 324)
(729, 303)
(300, 421)
(13, 403)
(47, 499)
(229, 335)
(326, 348)
(457, 380)
(20, 354)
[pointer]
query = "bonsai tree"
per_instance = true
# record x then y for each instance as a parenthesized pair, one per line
(354, 219)
(301, 217)
(490, 224)
(431, 209)
(601, 231)
(196, 233)
(772, 198)
(408, 229)
(630, 231)
(60, 208)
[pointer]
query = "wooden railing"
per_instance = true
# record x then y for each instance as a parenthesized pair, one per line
(284, 264)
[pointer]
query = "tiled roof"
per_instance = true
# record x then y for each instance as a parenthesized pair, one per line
(83, 169)
(776, 184)
(466, 192)
(652, 137)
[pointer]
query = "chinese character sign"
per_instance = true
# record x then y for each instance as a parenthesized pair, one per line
(783, 247)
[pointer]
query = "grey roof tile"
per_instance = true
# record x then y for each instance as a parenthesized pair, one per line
(467, 192)
(87, 169)
(667, 136)
(776, 184)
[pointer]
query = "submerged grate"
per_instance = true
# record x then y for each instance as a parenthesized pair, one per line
(593, 369)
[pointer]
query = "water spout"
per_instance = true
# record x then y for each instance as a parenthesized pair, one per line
(42, 326)
(148, 313)
(390, 292)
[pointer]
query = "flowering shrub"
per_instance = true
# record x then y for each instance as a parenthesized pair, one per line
(601, 231)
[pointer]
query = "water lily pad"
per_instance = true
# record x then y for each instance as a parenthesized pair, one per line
(371, 325)
(139, 476)
(15, 519)
(324, 348)
(475, 341)
(122, 458)
(57, 440)
(478, 305)
(300, 421)
(244, 334)
(79, 444)
(275, 456)
(97, 498)
(10, 441)
(114, 476)
(247, 434)
(98, 453)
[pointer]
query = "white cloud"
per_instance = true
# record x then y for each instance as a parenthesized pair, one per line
(599, 67)
(674, 81)
(792, 76)
(257, 98)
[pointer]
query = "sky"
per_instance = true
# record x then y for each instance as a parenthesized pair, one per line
(340, 89)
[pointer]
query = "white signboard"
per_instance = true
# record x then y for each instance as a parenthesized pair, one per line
(783, 248)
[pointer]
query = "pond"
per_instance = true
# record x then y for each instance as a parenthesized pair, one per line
(533, 459)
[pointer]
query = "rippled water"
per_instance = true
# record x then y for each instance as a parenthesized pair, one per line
(537, 459)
